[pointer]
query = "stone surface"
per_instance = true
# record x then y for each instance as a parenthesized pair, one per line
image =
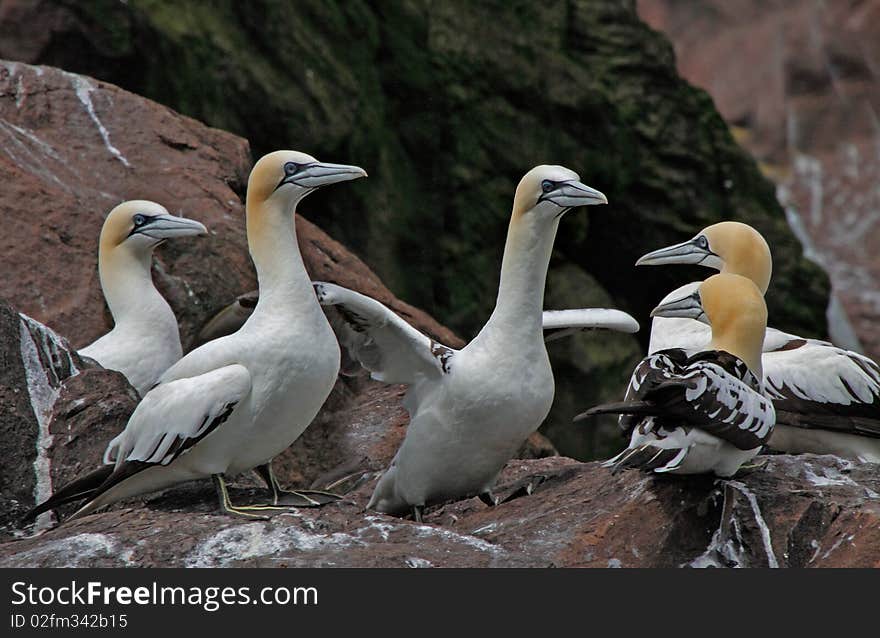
(798, 81)
(809, 511)
(447, 104)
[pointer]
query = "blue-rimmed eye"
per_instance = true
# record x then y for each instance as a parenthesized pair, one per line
(547, 186)
(139, 220)
(702, 242)
(290, 168)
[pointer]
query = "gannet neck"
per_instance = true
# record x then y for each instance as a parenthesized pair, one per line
(738, 316)
(520, 303)
(128, 288)
(281, 273)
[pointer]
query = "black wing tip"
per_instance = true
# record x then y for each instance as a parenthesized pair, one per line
(637, 408)
(78, 489)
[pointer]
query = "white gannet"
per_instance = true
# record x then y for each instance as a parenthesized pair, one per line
(702, 412)
(144, 341)
(827, 399)
(470, 409)
(236, 402)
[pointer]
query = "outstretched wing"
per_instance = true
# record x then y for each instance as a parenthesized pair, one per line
(815, 384)
(386, 345)
(561, 323)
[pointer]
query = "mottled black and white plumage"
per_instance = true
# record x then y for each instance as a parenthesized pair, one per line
(704, 412)
(827, 398)
(671, 394)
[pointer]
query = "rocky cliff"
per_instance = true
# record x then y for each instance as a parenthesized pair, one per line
(447, 104)
(798, 81)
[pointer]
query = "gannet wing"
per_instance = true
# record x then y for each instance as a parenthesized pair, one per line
(713, 391)
(176, 415)
(562, 323)
(386, 345)
(815, 384)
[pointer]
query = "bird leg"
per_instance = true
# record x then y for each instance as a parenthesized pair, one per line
(226, 504)
(296, 498)
(525, 489)
(417, 513)
(489, 498)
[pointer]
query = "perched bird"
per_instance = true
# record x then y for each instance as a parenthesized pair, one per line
(701, 412)
(827, 399)
(470, 409)
(234, 403)
(144, 341)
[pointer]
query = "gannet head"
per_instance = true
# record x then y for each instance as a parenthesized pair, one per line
(735, 309)
(731, 247)
(291, 175)
(546, 192)
(139, 226)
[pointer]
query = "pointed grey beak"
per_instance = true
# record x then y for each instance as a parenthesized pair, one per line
(320, 174)
(573, 193)
(169, 226)
(692, 251)
(687, 306)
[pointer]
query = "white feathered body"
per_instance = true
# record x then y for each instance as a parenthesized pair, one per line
(464, 428)
(278, 371)
(141, 347)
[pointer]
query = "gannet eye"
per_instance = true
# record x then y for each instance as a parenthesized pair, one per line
(290, 168)
(702, 242)
(547, 186)
(139, 220)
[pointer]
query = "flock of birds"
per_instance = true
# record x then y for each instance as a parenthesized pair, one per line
(716, 387)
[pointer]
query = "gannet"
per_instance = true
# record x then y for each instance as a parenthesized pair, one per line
(470, 409)
(234, 403)
(827, 399)
(702, 412)
(144, 341)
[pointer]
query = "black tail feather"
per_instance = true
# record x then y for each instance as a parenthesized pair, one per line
(637, 408)
(77, 490)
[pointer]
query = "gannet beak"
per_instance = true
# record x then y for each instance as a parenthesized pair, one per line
(688, 306)
(692, 251)
(319, 174)
(168, 226)
(573, 193)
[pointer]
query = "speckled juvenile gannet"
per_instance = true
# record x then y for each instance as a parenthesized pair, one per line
(827, 399)
(470, 409)
(236, 402)
(703, 412)
(144, 341)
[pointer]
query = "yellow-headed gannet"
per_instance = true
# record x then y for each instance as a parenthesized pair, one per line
(470, 409)
(701, 412)
(827, 399)
(234, 403)
(144, 341)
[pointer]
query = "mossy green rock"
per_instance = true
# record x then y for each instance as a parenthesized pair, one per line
(447, 104)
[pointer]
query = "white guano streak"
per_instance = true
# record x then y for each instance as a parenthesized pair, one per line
(84, 90)
(42, 396)
(759, 519)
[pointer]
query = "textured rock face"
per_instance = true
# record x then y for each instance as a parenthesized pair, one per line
(793, 512)
(799, 83)
(447, 104)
